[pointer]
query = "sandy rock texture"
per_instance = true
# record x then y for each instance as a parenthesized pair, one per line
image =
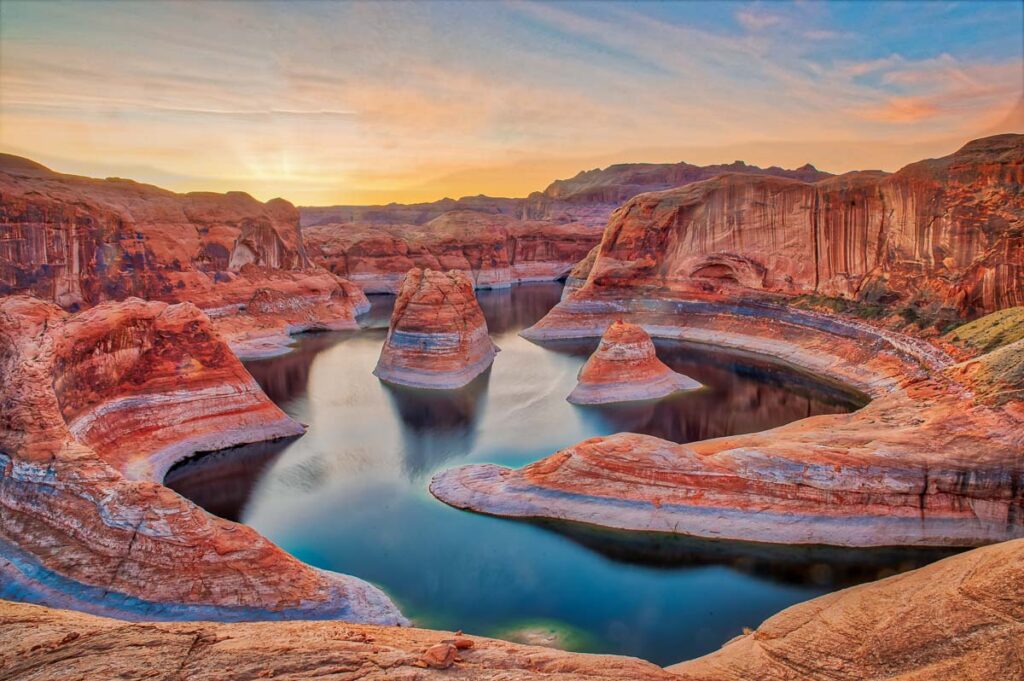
(625, 368)
(959, 618)
(94, 408)
(80, 241)
(438, 335)
(39, 643)
(495, 250)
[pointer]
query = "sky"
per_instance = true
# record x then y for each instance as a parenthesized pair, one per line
(363, 102)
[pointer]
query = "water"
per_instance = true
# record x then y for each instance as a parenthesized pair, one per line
(351, 495)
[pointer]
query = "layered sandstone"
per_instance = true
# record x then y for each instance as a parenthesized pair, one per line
(934, 459)
(438, 335)
(94, 408)
(79, 241)
(625, 368)
(495, 250)
(943, 236)
(39, 643)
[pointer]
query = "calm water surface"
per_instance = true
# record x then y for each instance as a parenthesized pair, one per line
(351, 495)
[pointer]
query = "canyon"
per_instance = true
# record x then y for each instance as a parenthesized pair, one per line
(934, 459)
(94, 408)
(438, 335)
(125, 362)
(498, 241)
(80, 241)
(626, 368)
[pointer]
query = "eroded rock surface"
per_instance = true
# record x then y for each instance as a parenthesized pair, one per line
(438, 335)
(495, 250)
(39, 643)
(959, 618)
(624, 368)
(94, 408)
(80, 241)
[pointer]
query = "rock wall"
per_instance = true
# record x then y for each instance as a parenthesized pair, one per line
(438, 335)
(495, 250)
(943, 233)
(79, 241)
(94, 408)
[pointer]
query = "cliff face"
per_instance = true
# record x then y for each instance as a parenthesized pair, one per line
(945, 233)
(94, 408)
(79, 241)
(438, 335)
(495, 250)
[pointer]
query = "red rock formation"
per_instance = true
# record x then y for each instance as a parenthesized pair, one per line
(438, 335)
(959, 618)
(94, 408)
(495, 250)
(944, 233)
(625, 368)
(79, 241)
(39, 643)
(935, 459)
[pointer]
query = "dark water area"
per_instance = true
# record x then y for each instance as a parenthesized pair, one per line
(351, 495)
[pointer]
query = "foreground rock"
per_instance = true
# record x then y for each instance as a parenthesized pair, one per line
(438, 334)
(94, 408)
(626, 368)
(496, 251)
(39, 643)
(79, 241)
(960, 618)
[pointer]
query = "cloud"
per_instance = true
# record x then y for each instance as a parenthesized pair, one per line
(757, 20)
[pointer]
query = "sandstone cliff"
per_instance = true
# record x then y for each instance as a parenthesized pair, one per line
(626, 368)
(438, 335)
(939, 235)
(495, 250)
(79, 241)
(94, 407)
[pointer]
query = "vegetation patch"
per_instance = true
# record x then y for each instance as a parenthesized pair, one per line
(991, 331)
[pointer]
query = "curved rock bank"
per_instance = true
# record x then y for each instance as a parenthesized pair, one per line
(936, 459)
(79, 241)
(94, 408)
(438, 335)
(626, 368)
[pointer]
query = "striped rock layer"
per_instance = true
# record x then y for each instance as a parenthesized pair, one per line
(438, 335)
(94, 408)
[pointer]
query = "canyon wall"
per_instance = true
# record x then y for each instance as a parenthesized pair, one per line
(94, 408)
(495, 250)
(79, 241)
(943, 234)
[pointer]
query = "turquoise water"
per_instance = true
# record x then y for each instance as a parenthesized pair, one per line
(351, 495)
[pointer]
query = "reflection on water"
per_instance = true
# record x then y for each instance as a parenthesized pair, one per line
(351, 496)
